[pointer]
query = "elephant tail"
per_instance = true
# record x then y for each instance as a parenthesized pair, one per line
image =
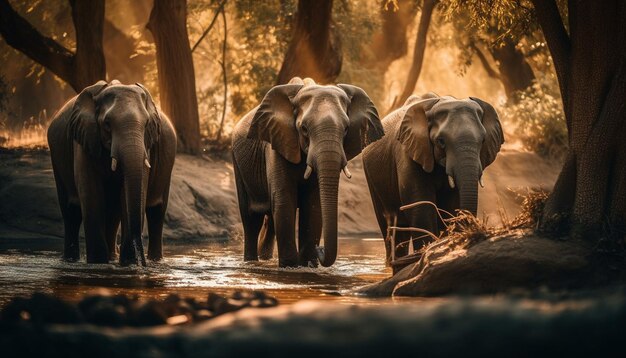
(266, 239)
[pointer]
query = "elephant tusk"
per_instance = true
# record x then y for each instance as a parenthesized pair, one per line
(480, 181)
(147, 163)
(347, 172)
(451, 181)
(308, 171)
(113, 164)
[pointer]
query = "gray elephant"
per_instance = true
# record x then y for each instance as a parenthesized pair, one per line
(436, 149)
(288, 154)
(112, 155)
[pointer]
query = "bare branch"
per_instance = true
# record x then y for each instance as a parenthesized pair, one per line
(418, 53)
(208, 29)
(486, 65)
(223, 63)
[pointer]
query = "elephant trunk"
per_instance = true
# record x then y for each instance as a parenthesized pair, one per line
(135, 185)
(467, 175)
(329, 168)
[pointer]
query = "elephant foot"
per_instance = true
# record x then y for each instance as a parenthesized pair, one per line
(155, 258)
(70, 258)
(311, 262)
(288, 263)
(97, 260)
(247, 258)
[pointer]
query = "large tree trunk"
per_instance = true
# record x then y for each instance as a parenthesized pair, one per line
(80, 69)
(591, 65)
(123, 63)
(418, 54)
(516, 74)
(177, 83)
(315, 48)
(390, 43)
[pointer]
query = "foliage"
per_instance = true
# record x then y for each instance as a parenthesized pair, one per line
(258, 36)
(356, 21)
(540, 120)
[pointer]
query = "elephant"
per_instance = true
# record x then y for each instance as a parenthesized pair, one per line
(112, 155)
(436, 149)
(288, 154)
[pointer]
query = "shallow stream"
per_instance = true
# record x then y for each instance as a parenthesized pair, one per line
(190, 269)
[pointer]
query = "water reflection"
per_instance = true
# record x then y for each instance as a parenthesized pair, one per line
(191, 269)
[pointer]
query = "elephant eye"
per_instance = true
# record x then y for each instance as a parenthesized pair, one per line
(106, 124)
(304, 130)
(440, 142)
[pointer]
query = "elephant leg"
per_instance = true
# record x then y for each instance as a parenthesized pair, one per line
(93, 209)
(72, 219)
(251, 221)
(71, 222)
(266, 240)
(113, 216)
(418, 186)
(284, 226)
(93, 213)
(127, 250)
(309, 226)
(252, 225)
(424, 218)
(448, 200)
(155, 216)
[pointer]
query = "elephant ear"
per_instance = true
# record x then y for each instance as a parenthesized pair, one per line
(414, 133)
(83, 125)
(275, 122)
(153, 127)
(494, 137)
(365, 126)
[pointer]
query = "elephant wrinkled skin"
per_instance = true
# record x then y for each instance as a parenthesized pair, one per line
(288, 154)
(435, 149)
(112, 155)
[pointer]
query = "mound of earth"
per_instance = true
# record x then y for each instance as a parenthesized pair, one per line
(203, 201)
(499, 264)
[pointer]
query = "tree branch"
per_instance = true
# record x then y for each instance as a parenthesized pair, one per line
(208, 29)
(483, 61)
(223, 63)
(22, 36)
(418, 53)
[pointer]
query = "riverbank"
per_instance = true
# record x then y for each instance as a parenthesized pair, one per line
(203, 203)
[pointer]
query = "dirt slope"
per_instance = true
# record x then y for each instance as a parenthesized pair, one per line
(203, 200)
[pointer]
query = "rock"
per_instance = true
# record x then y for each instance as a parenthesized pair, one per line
(41, 308)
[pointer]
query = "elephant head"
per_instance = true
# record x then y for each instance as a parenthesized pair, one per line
(120, 122)
(463, 136)
(324, 125)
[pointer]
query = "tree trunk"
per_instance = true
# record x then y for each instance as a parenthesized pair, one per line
(418, 54)
(315, 48)
(80, 69)
(391, 42)
(591, 65)
(123, 63)
(516, 74)
(177, 83)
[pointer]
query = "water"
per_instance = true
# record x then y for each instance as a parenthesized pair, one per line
(191, 269)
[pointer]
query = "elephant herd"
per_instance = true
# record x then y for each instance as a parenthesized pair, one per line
(113, 152)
